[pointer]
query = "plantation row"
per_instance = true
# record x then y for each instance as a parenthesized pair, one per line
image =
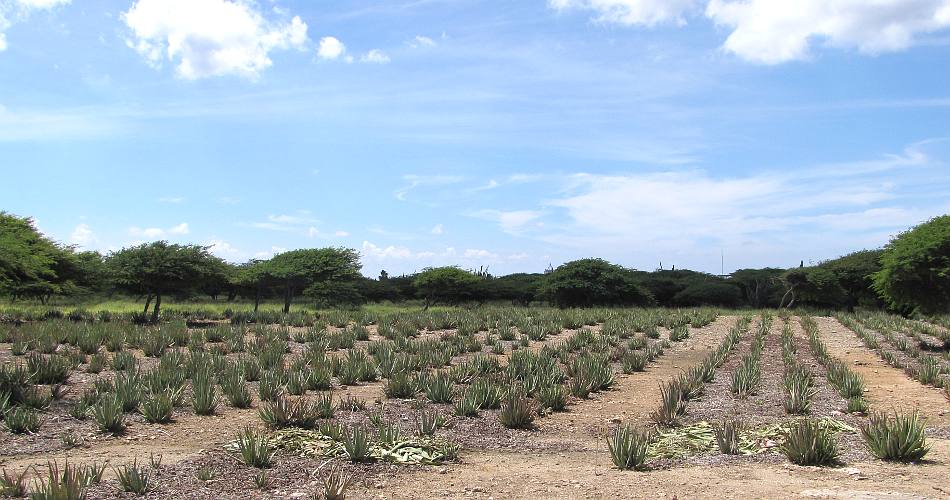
(507, 362)
(805, 439)
(921, 350)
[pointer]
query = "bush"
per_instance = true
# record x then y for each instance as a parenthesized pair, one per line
(727, 436)
(356, 443)
(20, 420)
(628, 447)
(592, 282)
(133, 479)
(899, 437)
(517, 410)
(108, 415)
(66, 484)
(915, 268)
(157, 408)
(810, 443)
(254, 448)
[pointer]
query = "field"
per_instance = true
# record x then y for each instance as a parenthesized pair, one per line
(485, 402)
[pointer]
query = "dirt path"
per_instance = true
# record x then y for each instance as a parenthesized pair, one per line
(637, 395)
(887, 387)
(588, 474)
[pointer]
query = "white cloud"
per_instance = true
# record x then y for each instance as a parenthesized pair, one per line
(401, 257)
(773, 32)
(415, 181)
(632, 12)
(330, 48)
(223, 249)
(210, 37)
(83, 236)
(420, 41)
(291, 223)
(512, 222)
(375, 56)
(19, 10)
(437, 229)
(776, 31)
(41, 4)
(148, 232)
(266, 254)
(341, 234)
(157, 232)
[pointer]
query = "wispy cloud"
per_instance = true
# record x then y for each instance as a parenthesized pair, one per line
(416, 181)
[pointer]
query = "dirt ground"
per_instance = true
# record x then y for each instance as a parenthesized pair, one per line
(583, 470)
(565, 455)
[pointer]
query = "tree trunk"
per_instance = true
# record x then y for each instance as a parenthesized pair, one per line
(158, 305)
(257, 299)
(148, 300)
(288, 295)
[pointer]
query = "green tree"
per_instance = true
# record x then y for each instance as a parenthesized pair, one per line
(915, 268)
(160, 268)
(31, 265)
(449, 285)
(854, 274)
(314, 271)
(759, 287)
(593, 282)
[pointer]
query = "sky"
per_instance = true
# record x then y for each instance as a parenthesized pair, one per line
(509, 134)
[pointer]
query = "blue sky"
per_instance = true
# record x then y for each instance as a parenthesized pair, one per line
(504, 134)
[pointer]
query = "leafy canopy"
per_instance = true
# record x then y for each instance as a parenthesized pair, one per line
(594, 282)
(915, 268)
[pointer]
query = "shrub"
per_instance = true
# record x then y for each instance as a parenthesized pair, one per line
(108, 415)
(157, 408)
(48, 369)
(439, 388)
(254, 448)
(552, 397)
(899, 437)
(810, 443)
(628, 447)
(235, 391)
(133, 479)
(356, 443)
(727, 436)
(13, 485)
(67, 484)
(634, 361)
(204, 399)
(400, 386)
(335, 485)
(20, 420)
(517, 410)
(672, 406)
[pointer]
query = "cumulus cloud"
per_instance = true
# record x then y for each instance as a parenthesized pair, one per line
(632, 12)
(405, 259)
(330, 48)
(420, 41)
(157, 232)
(437, 229)
(772, 32)
(223, 249)
(83, 236)
(375, 56)
(512, 222)
(17, 10)
(205, 38)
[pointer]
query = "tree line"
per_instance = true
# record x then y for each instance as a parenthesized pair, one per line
(911, 273)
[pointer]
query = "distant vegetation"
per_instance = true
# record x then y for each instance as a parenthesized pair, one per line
(910, 274)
